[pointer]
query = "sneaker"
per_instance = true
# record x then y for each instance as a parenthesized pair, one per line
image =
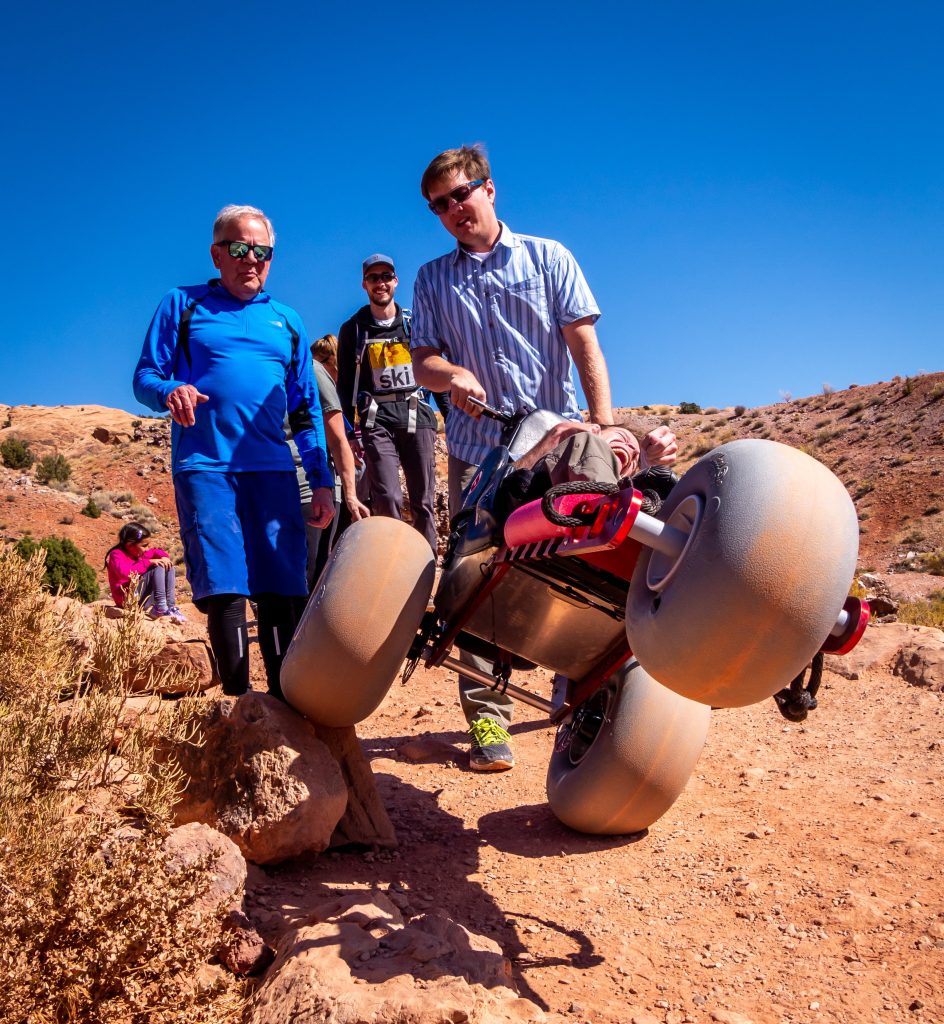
(158, 613)
(491, 751)
(176, 615)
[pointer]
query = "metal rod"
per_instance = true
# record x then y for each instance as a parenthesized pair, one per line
(518, 692)
(652, 532)
(842, 621)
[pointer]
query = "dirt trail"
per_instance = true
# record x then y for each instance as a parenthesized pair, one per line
(798, 878)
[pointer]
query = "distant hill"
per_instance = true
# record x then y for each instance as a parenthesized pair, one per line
(885, 441)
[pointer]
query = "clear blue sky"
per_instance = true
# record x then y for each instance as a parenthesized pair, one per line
(754, 190)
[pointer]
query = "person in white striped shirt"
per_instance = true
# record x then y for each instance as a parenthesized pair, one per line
(503, 318)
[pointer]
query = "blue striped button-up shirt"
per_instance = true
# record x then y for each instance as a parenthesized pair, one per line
(501, 318)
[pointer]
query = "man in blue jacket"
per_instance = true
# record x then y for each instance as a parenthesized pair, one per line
(228, 361)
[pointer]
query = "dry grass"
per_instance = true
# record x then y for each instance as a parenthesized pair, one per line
(924, 613)
(93, 927)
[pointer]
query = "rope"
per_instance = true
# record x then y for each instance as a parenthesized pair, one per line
(577, 487)
(797, 700)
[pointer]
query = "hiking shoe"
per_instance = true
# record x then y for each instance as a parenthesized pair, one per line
(491, 750)
(176, 615)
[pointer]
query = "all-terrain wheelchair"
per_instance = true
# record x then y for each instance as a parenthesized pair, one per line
(647, 616)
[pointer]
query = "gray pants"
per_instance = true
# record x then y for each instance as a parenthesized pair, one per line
(582, 456)
(156, 588)
(477, 701)
(385, 450)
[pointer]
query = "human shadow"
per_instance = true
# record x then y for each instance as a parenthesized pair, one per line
(444, 747)
(428, 877)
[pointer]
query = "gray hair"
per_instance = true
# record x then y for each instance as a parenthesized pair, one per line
(232, 213)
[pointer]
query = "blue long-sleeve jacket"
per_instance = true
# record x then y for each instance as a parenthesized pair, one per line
(242, 356)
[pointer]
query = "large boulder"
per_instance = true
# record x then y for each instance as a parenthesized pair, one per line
(262, 777)
(356, 962)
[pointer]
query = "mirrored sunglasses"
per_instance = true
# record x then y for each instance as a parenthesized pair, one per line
(240, 250)
(459, 195)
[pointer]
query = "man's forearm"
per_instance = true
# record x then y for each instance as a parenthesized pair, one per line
(581, 339)
(341, 452)
(432, 370)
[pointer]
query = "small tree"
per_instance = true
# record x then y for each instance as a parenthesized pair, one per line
(91, 509)
(66, 567)
(53, 467)
(16, 453)
(689, 407)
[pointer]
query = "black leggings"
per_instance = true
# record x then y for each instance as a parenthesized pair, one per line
(226, 625)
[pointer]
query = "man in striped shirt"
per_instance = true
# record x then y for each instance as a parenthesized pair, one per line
(503, 318)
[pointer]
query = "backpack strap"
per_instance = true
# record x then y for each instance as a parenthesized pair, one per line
(183, 330)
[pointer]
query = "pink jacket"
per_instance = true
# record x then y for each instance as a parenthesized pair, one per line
(121, 565)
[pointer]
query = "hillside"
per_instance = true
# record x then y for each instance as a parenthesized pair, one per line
(885, 441)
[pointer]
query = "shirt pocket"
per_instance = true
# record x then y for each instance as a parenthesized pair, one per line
(523, 304)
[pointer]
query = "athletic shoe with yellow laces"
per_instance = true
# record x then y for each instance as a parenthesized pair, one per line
(491, 750)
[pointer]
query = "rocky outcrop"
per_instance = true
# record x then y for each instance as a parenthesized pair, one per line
(356, 961)
(916, 653)
(241, 947)
(921, 662)
(262, 777)
(881, 602)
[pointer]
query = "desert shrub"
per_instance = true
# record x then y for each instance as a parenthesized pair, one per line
(53, 468)
(932, 562)
(687, 408)
(91, 509)
(65, 567)
(16, 453)
(931, 510)
(67, 520)
(923, 613)
(936, 392)
(739, 410)
(93, 925)
(135, 424)
(908, 386)
(828, 389)
(865, 487)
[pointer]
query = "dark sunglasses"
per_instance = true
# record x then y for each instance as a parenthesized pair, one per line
(377, 278)
(460, 193)
(240, 250)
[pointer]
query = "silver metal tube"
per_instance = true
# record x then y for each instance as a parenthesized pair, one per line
(655, 534)
(518, 692)
(841, 623)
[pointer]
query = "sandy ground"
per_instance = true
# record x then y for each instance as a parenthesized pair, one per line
(798, 878)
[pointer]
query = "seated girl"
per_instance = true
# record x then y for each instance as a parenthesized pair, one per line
(152, 566)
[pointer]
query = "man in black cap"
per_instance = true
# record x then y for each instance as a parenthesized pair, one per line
(375, 379)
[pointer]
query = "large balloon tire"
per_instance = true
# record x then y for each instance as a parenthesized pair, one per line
(359, 622)
(772, 548)
(625, 756)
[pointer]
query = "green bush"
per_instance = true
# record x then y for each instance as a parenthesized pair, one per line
(16, 453)
(66, 567)
(689, 407)
(91, 509)
(53, 468)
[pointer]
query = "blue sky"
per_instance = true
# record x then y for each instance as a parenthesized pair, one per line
(754, 189)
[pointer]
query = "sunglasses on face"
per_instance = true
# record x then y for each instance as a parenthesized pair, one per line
(240, 250)
(385, 276)
(459, 194)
